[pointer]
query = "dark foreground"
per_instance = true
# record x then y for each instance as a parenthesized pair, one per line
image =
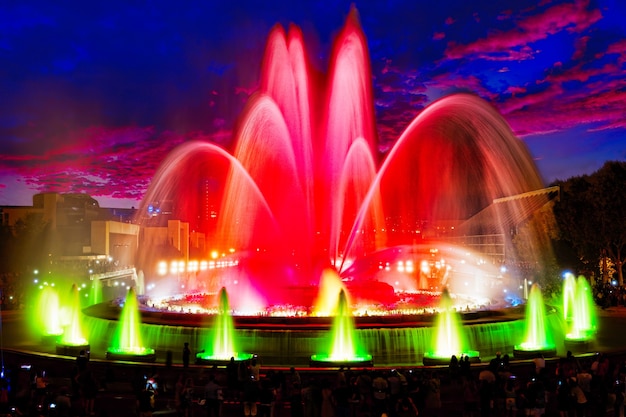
(435, 391)
(278, 392)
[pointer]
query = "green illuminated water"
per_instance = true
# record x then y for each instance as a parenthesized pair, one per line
(223, 346)
(343, 346)
(47, 318)
(569, 296)
(583, 318)
(536, 336)
(73, 333)
(95, 292)
(127, 339)
(448, 336)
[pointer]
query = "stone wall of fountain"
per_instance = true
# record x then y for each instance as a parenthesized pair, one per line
(388, 346)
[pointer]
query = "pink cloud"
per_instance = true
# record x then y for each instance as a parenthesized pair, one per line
(581, 74)
(110, 162)
(581, 47)
(446, 83)
(437, 36)
(514, 90)
(618, 48)
(600, 106)
(513, 44)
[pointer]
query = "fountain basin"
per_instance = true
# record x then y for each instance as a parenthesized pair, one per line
(579, 345)
(392, 340)
(434, 359)
(71, 349)
(203, 358)
(322, 360)
(132, 355)
(523, 352)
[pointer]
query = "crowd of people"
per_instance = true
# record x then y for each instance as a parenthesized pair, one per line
(571, 386)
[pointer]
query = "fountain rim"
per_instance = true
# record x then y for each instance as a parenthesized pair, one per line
(323, 360)
(111, 312)
(147, 355)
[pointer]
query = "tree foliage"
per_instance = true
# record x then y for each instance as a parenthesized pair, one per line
(591, 216)
(25, 245)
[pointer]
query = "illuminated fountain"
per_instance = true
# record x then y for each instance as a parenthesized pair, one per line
(448, 337)
(538, 338)
(344, 349)
(222, 345)
(47, 315)
(127, 343)
(304, 190)
(95, 292)
(73, 340)
(582, 322)
(569, 296)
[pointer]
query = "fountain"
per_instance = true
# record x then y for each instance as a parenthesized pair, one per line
(95, 292)
(127, 343)
(448, 337)
(303, 190)
(569, 296)
(537, 339)
(73, 341)
(582, 321)
(47, 315)
(222, 347)
(343, 348)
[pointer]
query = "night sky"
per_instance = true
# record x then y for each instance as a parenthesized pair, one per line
(93, 95)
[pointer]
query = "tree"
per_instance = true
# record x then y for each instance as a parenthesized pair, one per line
(591, 215)
(24, 246)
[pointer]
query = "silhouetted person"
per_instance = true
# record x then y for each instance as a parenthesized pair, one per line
(186, 355)
(212, 395)
(465, 367)
(82, 360)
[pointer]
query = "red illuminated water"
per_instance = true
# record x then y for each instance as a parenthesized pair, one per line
(305, 188)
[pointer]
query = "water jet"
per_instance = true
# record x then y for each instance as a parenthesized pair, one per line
(47, 316)
(537, 338)
(344, 349)
(582, 323)
(223, 344)
(448, 337)
(127, 344)
(73, 340)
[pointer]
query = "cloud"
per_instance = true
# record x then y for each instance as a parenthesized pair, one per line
(581, 93)
(117, 162)
(514, 44)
